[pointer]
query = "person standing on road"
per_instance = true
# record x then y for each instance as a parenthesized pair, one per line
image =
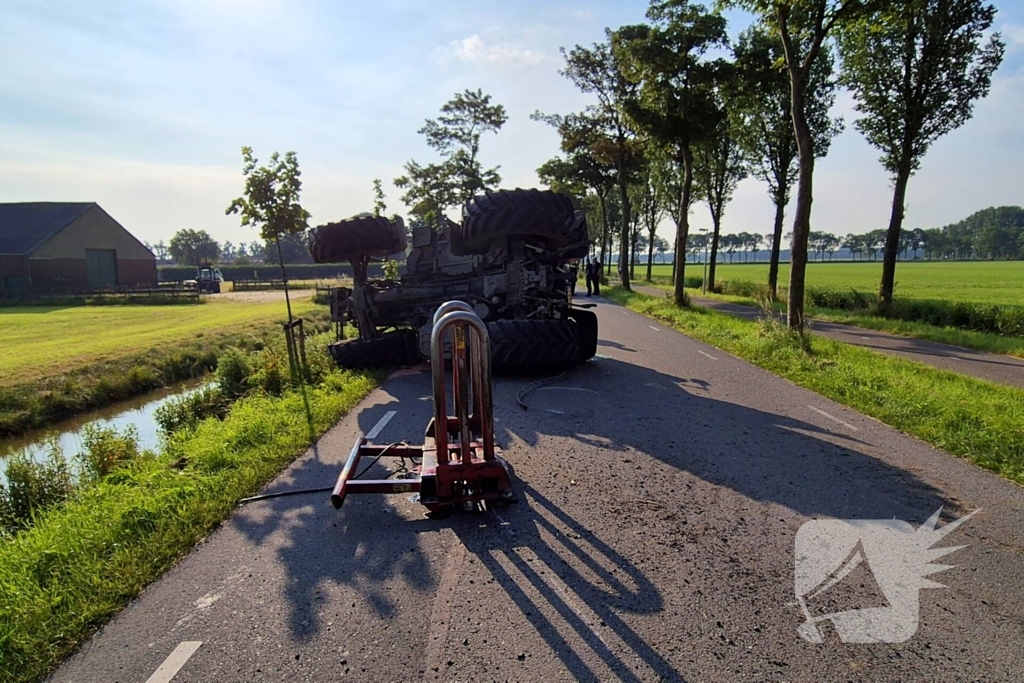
(588, 273)
(597, 269)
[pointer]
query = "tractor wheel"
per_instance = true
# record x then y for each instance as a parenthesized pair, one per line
(535, 215)
(390, 350)
(586, 324)
(373, 236)
(533, 343)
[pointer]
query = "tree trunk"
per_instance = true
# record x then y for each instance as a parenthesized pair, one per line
(892, 238)
(624, 241)
(604, 227)
(802, 218)
(679, 284)
(284, 277)
(650, 256)
(713, 259)
(773, 267)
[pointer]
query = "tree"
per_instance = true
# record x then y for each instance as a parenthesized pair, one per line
(676, 106)
(160, 251)
(803, 26)
(589, 163)
(720, 167)
(434, 188)
(294, 248)
(193, 247)
(597, 71)
(456, 133)
(649, 211)
(257, 251)
(430, 191)
(915, 71)
(760, 112)
(661, 246)
(271, 203)
(379, 207)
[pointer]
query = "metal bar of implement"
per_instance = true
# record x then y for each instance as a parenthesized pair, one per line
(440, 402)
(339, 493)
(459, 379)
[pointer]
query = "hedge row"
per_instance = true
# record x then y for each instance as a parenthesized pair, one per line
(296, 271)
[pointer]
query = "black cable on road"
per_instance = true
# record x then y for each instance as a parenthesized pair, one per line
(536, 385)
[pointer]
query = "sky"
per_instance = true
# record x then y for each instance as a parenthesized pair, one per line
(144, 106)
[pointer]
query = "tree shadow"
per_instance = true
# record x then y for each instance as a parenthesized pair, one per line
(570, 585)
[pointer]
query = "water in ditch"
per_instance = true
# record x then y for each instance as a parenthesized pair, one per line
(138, 412)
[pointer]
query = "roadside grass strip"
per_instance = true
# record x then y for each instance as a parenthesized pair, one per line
(968, 339)
(971, 418)
(81, 562)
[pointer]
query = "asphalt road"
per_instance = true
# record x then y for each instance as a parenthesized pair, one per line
(993, 367)
(661, 488)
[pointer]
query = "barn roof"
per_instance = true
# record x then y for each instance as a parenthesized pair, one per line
(26, 226)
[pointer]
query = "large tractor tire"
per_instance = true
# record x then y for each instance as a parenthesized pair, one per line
(535, 215)
(586, 325)
(360, 236)
(390, 350)
(531, 344)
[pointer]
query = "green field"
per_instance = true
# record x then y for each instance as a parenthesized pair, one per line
(993, 282)
(41, 342)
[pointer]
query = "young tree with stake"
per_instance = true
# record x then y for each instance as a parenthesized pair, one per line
(271, 203)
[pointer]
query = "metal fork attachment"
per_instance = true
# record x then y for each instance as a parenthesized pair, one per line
(459, 463)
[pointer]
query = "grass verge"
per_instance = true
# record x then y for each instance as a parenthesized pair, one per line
(969, 339)
(81, 562)
(970, 418)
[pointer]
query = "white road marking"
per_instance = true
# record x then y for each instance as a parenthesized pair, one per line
(833, 418)
(862, 337)
(625, 313)
(377, 428)
(706, 354)
(654, 328)
(174, 662)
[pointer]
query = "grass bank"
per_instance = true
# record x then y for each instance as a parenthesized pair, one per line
(984, 282)
(82, 561)
(967, 417)
(971, 339)
(58, 362)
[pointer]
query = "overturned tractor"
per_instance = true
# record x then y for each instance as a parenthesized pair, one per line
(509, 259)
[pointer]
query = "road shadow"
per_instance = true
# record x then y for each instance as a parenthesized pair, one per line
(764, 456)
(570, 585)
(614, 345)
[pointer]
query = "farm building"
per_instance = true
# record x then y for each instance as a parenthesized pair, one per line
(54, 246)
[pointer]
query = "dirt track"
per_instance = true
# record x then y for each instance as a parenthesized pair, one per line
(262, 297)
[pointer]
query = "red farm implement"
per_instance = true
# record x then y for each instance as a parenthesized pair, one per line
(459, 463)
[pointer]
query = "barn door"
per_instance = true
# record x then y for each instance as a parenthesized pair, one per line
(101, 267)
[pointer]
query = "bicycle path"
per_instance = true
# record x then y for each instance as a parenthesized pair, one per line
(993, 367)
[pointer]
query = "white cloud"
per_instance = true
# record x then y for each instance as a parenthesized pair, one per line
(477, 50)
(1013, 36)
